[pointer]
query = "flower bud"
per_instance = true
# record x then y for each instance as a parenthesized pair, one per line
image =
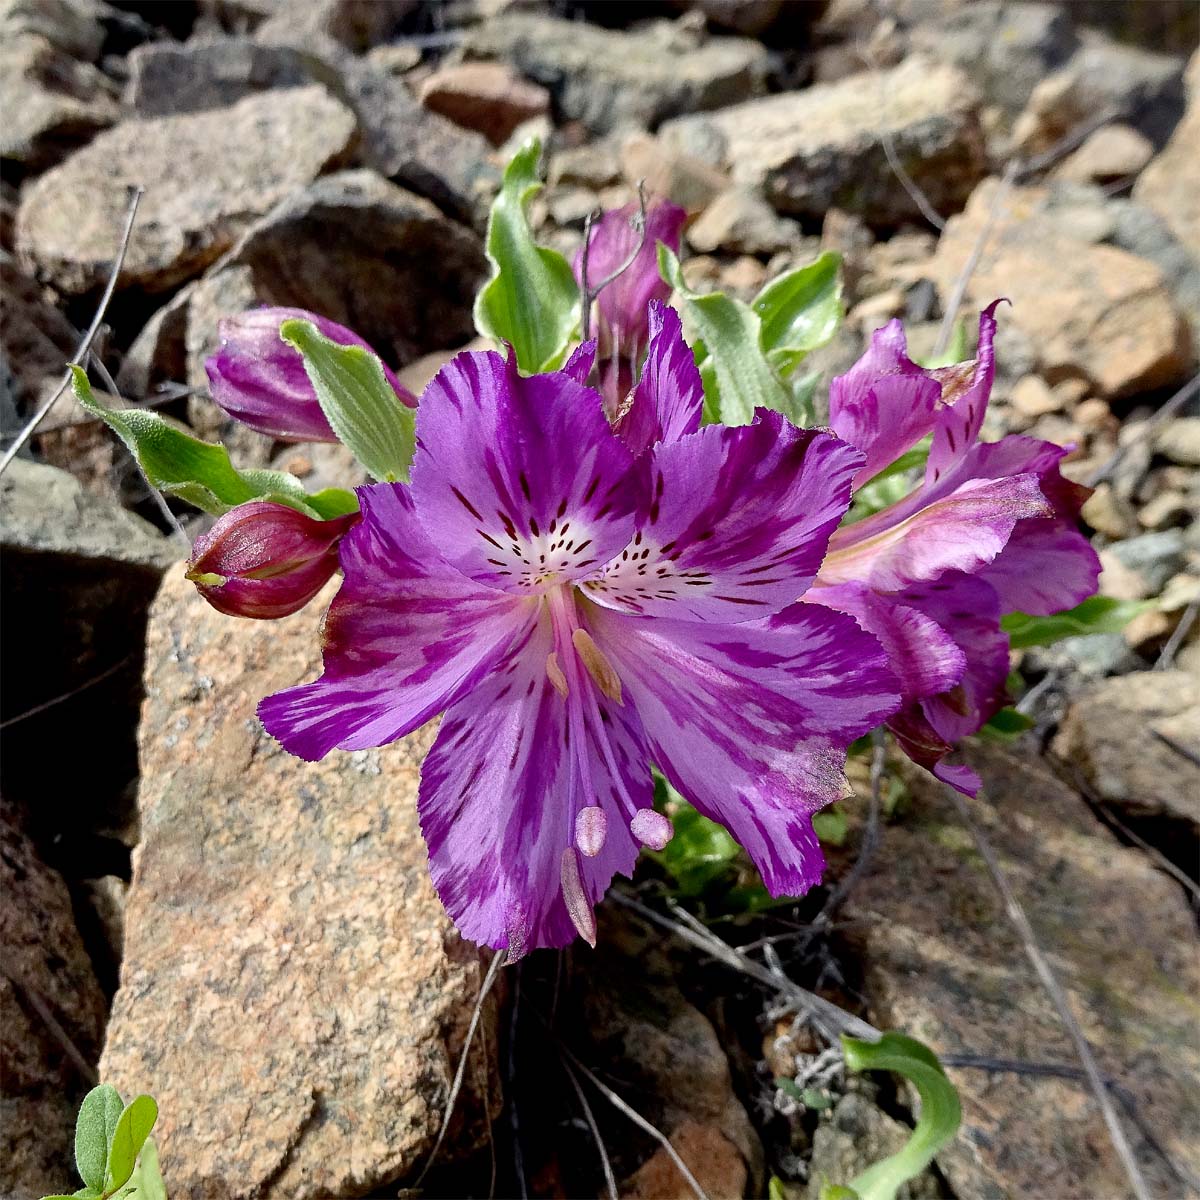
(266, 560)
(260, 380)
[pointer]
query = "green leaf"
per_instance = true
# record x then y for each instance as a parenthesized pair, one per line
(835, 1191)
(776, 1189)
(940, 1117)
(737, 377)
(532, 299)
(955, 352)
(700, 851)
(831, 826)
(94, 1127)
(891, 484)
(800, 311)
(147, 1178)
(1006, 725)
(1097, 614)
(357, 400)
(332, 502)
(180, 465)
(133, 1128)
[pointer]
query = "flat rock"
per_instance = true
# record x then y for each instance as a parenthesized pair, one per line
(1113, 152)
(490, 98)
(73, 26)
(609, 79)
(1091, 310)
(740, 221)
(820, 148)
(295, 892)
(207, 176)
(1170, 185)
(942, 963)
(1130, 739)
(356, 24)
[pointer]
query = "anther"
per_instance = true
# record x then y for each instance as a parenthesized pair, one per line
(599, 668)
(590, 827)
(554, 671)
(578, 908)
(651, 828)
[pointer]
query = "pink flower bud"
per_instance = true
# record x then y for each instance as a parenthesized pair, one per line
(259, 379)
(266, 560)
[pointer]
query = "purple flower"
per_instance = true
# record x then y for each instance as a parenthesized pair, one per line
(579, 609)
(260, 380)
(991, 529)
(265, 560)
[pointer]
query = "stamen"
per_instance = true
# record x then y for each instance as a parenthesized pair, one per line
(554, 671)
(651, 828)
(599, 668)
(591, 825)
(576, 899)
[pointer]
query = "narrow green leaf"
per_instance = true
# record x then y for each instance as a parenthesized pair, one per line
(133, 1128)
(148, 1176)
(357, 400)
(776, 1189)
(940, 1117)
(180, 465)
(532, 299)
(800, 311)
(94, 1127)
(955, 352)
(730, 331)
(1006, 725)
(891, 484)
(835, 1191)
(332, 502)
(1097, 614)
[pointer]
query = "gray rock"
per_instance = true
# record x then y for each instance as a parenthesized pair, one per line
(73, 26)
(820, 148)
(158, 353)
(1154, 556)
(207, 177)
(298, 892)
(609, 79)
(356, 24)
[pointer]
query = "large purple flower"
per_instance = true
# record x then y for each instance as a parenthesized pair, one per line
(991, 529)
(579, 609)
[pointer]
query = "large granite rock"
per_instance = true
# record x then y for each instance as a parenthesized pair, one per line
(1171, 183)
(207, 176)
(820, 148)
(292, 992)
(609, 79)
(943, 964)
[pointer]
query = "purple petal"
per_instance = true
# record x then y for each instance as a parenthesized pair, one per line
(736, 524)
(885, 403)
(519, 481)
(750, 722)
(669, 397)
(405, 636)
(1045, 566)
(583, 359)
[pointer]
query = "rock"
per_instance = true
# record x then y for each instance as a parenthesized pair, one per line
(593, 166)
(207, 175)
(51, 103)
(1091, 311)
(1006, 47)
(1171, 183)
(712, 1158)
(942, 963)
(740, 221)
(1149, 774)
(1179, 440)
(609, 79)
(46, 971)
(672, 175)
(322, 465)
(1112, 153)
(1032, 396)
(571, 205)
(750, 17)
(356, 24)
(487, 97)
(396, 58)
(1154, 556)
(299, 892)
(102, 922)
(157, 354)
(73, 26)
(819, 148)
(37, 341)
(1092, 656)
(1106, 513)
(1166, 509)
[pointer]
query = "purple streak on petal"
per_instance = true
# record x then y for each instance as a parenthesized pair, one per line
(885, 403)
(405, 636)
(519, 481)
(736, 523)
(259, 380)
(579, 365)
(499, 794)
(1045, 566)
(669, 397)
(750, 722)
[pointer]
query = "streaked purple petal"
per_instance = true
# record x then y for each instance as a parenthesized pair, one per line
(583, 359)
(519, 482)
(405, 636)
(669, 397)
(750, 722)
(1045, 566)
(736, 524)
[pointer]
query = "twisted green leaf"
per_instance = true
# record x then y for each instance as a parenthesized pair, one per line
(1097, 614)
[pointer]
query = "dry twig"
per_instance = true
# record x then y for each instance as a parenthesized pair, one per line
(610, 1182)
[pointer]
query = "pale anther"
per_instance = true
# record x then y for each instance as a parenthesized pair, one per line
(578, 907)
(554, 671)
(651, 828)
(590, 827)
(599, 668)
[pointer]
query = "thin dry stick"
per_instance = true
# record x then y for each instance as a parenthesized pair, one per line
(1016, 914)
(490, 978)
(107, 673)
(588, 291)
(909, 184)
(610, 1183)
(1166, 660)
(1169, 409)
(84, 347)
(51, 1022)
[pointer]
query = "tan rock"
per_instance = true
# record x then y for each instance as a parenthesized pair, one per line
(1119, 582)
(1033, 397)
(1179, 440)
(670, 174)
(1106, 513)
(1092, 311)
(739, 220)
(1171, 183)
(943, 964)
(1112, 152)
(292, 992)
(488, 97)
(710, 1156)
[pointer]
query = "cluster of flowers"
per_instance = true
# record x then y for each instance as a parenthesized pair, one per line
(587, 580)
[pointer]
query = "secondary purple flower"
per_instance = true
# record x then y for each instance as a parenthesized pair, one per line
(991, 529)
(260, 380)
(578, 611)
(266, 560)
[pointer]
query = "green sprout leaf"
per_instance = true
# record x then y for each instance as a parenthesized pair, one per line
(357, 400)
(94, 1129)
(891, 484)
(831, 826)
(532, 299)
(146, 1182)
(800, 311)
(1006, 725)
(699, 853)
(940, 1117)
(200, 472)
(1097, 614)
(955, 352)
(132, 1129)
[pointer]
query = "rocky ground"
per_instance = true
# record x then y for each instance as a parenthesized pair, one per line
(190, 912)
